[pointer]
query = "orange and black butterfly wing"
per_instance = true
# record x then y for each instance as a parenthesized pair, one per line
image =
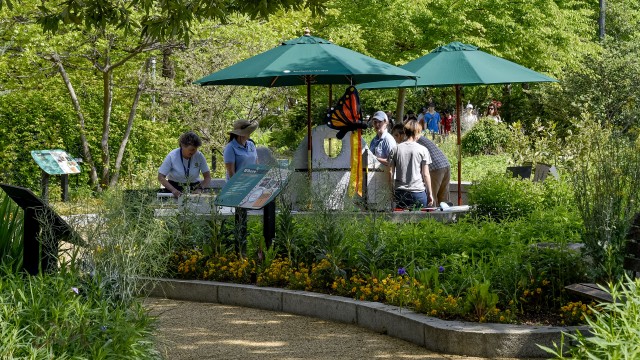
(346, 115)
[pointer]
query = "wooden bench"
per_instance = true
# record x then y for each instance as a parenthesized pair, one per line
(631, 263)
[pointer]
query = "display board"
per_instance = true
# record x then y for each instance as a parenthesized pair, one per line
(55, 162)
(253, 187)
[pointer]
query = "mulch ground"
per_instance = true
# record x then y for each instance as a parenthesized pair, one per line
(189, 330)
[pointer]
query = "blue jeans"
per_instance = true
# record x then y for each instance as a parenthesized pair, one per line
(410, 200)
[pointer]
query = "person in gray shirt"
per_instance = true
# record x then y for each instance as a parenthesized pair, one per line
(409, 170)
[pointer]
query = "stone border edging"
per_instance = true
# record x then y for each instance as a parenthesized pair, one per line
(449, 337)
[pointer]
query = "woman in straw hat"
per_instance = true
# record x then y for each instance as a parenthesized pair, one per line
(181, 168)
(240, 150)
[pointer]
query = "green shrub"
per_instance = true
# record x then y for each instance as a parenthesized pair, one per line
(65, 316)
(499, 197)
(605, 179)
(486, 137)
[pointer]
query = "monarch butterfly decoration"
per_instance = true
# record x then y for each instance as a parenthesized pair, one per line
(346, 116)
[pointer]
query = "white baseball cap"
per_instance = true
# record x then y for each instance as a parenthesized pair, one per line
(380, 116)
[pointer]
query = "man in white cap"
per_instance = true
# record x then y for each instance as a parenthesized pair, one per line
(383, 142)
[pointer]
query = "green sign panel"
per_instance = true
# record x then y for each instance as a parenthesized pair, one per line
(253, 187)
(55, 162)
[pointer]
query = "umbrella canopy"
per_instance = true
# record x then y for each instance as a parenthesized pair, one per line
(306, 60)
(458, 64)
(303, 60)
(461, 64)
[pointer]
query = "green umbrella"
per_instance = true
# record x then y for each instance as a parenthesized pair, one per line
(458, 64)
(306, 60)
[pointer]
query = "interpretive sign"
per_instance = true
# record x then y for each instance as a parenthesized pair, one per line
(253, 187)
(55, 162)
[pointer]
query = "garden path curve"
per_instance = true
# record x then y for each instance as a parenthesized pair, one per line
(192, 330)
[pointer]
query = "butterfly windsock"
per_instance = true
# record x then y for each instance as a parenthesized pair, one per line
(344, 117)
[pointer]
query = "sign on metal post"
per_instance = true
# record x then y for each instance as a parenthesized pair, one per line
(55, 162)
(253, 187)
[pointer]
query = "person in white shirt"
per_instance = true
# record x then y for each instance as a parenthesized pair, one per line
(181, 168)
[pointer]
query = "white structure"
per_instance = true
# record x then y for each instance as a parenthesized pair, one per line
(330, 175)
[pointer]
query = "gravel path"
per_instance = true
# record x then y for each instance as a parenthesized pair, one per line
(188, 330)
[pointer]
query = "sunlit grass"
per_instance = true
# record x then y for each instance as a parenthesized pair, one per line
(473, 167)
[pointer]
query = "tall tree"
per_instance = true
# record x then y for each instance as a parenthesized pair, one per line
(105, 37)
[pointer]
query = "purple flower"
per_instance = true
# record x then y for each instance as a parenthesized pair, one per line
(103, 328)
(402, 271)
(75, 290)
(441, 269)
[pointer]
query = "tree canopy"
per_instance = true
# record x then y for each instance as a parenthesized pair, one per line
(80, 74)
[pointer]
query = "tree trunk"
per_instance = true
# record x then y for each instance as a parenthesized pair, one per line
(76, 104)
(168, 69)
(127, 133)
(107, 87)
(601, 20)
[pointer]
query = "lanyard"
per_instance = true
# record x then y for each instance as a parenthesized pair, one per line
(187, 168)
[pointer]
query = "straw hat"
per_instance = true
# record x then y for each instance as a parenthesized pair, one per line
(244, 127)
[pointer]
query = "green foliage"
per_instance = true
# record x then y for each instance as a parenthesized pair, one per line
(126, 244)
(605, 175)
(480, 300)
(157, 20)
(613, 328)
(500, 196)
(605, 87)
(526, 265)
(65, 316)
(11, 230)
(538, 144)
(486, 137)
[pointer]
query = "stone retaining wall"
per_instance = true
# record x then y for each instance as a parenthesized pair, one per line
(450, 337)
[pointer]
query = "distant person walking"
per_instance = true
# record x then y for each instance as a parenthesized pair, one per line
(492, 113)
(468, 119)
(432, 120)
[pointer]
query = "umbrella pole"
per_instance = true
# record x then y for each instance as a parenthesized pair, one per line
(330, 103)
(307, 79)
(402, 94)
(459, 143)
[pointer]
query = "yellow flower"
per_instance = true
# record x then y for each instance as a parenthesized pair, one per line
(434, 312)
(501, 318)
